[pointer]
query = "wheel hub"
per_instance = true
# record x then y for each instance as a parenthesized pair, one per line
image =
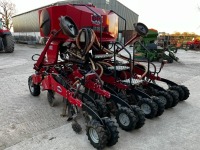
(146, 108)
(94, 136)
(124, 119)
(31, 86)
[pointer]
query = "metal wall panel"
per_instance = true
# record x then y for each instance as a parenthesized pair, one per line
(27, 22)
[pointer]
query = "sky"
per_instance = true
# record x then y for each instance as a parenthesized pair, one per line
(164, 15)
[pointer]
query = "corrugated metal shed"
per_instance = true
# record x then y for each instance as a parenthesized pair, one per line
(27, 22)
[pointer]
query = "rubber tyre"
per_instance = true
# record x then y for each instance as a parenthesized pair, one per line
(165, 96)
(33, 88)
(160, 104)
(186, 92)
(126, 112)
(95, 126)
(9, 43)
(102, 108)
(76, 127)
(140, 116)
(175, 97)
(152, 105)
(179, 90)
(112, 132)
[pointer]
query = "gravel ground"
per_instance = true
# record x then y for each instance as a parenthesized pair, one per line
(28, 122)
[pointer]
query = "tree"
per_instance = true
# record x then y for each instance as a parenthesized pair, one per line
(177, 33)
(7, 10)
(185, 34)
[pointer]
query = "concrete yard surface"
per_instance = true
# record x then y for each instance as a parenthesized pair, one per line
(29, 123)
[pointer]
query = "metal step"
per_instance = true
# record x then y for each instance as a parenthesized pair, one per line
(119, 68)
(133, 81)
(103, 56)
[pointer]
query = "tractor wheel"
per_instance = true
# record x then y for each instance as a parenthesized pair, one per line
(140, 116)
(174, 95)
(165, 98)
(102, 109)
(126, 118)
(96, 134)
(50, 97)
(149, 107)
(34, 89)
(160, 104)
(186, 92)
(179, 91)
(8, 42)
(112, 132)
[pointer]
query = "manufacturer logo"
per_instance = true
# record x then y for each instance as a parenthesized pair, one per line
(50, 47)
(96, 19)
(59, 89)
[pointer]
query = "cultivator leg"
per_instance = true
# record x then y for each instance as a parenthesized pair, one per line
(64, 110)
(50, 97)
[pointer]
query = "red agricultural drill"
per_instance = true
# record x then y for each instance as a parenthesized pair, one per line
(78, 64)
(65, 67)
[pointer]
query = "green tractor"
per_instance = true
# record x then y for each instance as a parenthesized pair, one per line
(155, 50)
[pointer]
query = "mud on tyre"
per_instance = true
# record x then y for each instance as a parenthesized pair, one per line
(112, 132)
(96, 134)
